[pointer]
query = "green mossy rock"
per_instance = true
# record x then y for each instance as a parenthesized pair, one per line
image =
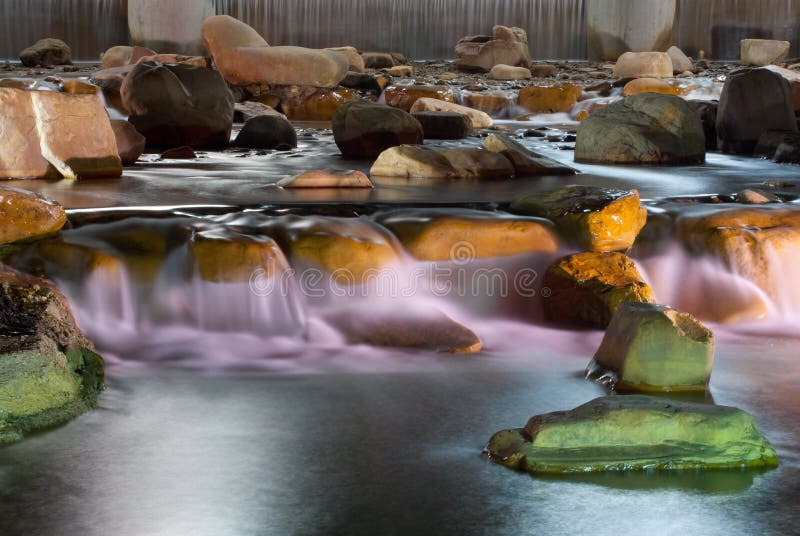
(634, 433)
(650, 347)
(49, 372)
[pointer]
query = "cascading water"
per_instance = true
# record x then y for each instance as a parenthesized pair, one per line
(430, 29)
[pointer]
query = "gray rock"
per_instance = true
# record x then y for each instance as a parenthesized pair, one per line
(365, 130)
(266, 132)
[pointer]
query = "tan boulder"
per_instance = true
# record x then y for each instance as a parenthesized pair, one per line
(508, 72)
(422, 162)
(680, 61)
(588, 288)
(525, 161)
(761, 52)
(593, 218)
(327, 178)
(404, 97)
(25, 215)
(244, 58)
(46, 134)
(508, 46)
(643, 65)
(196, 61)
(354, 59)
(439, 235)
(119, 56)
(478, 119)
(560, 97)
(401, 71)
(495, 103)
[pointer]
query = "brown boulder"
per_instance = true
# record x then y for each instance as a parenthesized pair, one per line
(130, 144)
(404, 97)
(364, 130)
(25, 215)
(46, 53)
(559, 97)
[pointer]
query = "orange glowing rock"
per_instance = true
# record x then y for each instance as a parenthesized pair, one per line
(560, 97)
(404, 97)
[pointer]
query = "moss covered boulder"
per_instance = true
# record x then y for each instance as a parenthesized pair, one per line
(649, 347)
(588, 288)
(49, 372)
(463, 235)
(593, 218)
(634, 433)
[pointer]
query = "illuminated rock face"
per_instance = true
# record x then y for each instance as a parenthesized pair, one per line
(25, 215)
(477, 118)
(594, 218)
(244, 58)
(437, 235)
(643, 65)
(634, 433)
(642, 129)
(48, 371)
(649, 347)
(588, 288)
(761, 52)
(47, 134)
(404, 97)
(549, 99)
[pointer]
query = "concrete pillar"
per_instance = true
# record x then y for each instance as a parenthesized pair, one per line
(169, 26)
(617, 26)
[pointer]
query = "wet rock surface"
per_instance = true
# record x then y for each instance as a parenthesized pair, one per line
(622, 433)
(365, 130)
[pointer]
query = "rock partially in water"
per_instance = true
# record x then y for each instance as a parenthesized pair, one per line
(753, 196)
(424, 329)
(634, 433)
(130, 144)
(707, 112)
(761, 52)
(422, 162)
(753, 101)
(47, 134)
(175, 105)
(465, 235)
(649, 85)
(560, 97)
(327, 178)
(244, 111)
(179, 153)
(588, 288)
(525, 161)
(649, 347)
(319, 105)
(444, 125)
(594, 218)
(771, 140)
(244, 58)
(643, 65)
(404, 97)
(508, 46)
(25, 215)
(46, 53)
(642, 129)
(48, 370)
(224, 256)
(478, 118)
(364, 130)
(266, 132)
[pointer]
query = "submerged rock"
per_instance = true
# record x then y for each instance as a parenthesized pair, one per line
(649, 347)
(244, 58)
(365, 130)
(25, 215)
(46, 53)
(175, 105)
(223, 256)
(588, 288)
(422, 162)
(465, 235)
(478, 118)
(642, 129)
(559, 97)
(425, 329)
(634, 433)
(327, 178)
(594, 218)
(48, 370)
(47, 134)
(753, 101)
(525, 161)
